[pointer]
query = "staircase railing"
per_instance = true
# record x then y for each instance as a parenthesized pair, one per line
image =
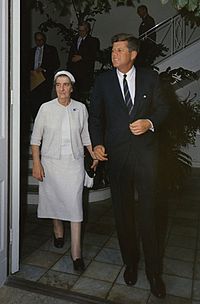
(175, 34)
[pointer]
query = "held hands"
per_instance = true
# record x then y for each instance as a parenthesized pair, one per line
(140, 126)
(38, 171)
(99, 152)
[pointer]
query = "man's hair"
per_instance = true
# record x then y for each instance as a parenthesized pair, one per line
(42, 34)
(133, 42)
(86, 24)
(143, 7)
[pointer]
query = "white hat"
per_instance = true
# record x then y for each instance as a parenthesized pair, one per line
(68, 74)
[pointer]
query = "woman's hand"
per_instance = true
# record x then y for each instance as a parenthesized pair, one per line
(38, 171)
(94, 164)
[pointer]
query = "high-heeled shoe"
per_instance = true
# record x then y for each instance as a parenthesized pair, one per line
(78, 264)
(58, 242)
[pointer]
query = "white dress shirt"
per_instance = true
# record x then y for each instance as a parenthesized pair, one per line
(38, 57)
(130, 80)
(80, 39)
(130, 77)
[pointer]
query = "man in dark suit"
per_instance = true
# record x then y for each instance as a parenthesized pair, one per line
(81, 60)
(148, 42)
(44, 59)
(147, 22)
(125, 115)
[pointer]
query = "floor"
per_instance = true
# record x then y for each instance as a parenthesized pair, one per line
(102, 280)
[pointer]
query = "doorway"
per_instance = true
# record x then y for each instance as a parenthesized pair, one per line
(3, 138)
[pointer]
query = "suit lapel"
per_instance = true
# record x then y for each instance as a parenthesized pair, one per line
(138, 82)
(83, 42)
(44, 55)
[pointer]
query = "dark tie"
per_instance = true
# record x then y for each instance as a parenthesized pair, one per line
(127, 95)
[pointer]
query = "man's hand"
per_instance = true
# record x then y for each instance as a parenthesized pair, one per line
(140, 126)
(99, 152)
(76, 58)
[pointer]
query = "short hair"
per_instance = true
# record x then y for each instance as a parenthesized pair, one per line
(133, 42)
(86, 24)
(42, 34)
(143, 7)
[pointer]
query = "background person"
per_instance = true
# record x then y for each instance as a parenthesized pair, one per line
(44, 58)
(148, 42)
(81, 60)
(147, 22)
(61, 128)
(127, 103)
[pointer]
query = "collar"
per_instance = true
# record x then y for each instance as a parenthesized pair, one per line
(40, 47)
(130, 73)
(82, 38)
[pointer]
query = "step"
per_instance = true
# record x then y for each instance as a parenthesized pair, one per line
(32, 180)
(99, 195)
(32, 189)
(32, 199)
(30, 163)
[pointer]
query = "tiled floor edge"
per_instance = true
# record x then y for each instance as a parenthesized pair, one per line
(50, 291)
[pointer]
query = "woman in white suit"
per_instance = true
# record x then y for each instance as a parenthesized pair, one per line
(61, 129)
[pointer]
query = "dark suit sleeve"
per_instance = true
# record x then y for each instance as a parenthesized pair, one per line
(32, 59)
(160, 106)
(72, 52)
(50, 61)
(96, 115)
(90, 53)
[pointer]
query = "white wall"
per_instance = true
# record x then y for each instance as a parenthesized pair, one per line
(188, 58)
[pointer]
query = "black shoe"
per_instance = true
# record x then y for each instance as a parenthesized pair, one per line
(58, 242)
(78, 264)
(130, 276)
(157, 286)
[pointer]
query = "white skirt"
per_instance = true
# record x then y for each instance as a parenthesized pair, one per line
(60, 193)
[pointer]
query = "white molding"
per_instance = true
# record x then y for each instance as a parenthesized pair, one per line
(3, 138)
(15, 131)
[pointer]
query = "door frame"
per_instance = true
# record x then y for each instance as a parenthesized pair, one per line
(14, 134)
(4, 158)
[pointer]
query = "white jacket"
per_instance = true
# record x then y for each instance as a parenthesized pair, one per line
(47, 128)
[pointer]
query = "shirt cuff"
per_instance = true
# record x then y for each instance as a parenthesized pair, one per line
(151, 127)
